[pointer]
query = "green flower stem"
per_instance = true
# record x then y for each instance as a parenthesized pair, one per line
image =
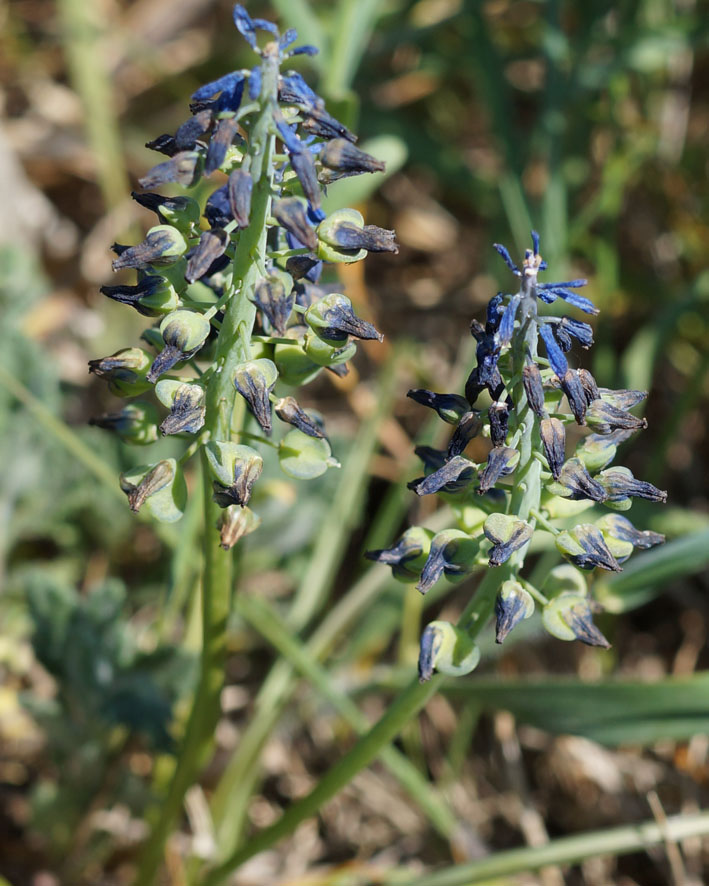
(232, 349)
(366, 749)
(269, 624)
(565, 850)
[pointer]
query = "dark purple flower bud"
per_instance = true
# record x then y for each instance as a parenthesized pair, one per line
(512, 605)
(507, 324)
(554, 352)
(180, 168)
(219, 143)
(211, 245)
(293, 90)
(585, 547)
(588, 383)
(553, 436)
(622, 399)
(341, 155)
(163, 244)
(323, 125)
(124, 371)
(452, 553)
(575, 394)
(159, 476)
(222, 84)
(290, 215)
(582, 332)
(620, 484)
(604, 418)
(246, 473)
(234, 523)
(288, 410)
(458, 470)
(275, 299)
(192, 129)
(234, 468)
(186, 404)
(549, 292)
(164, 144)
(493, 317)
(507, 258)
(255, 380)
(620, 527)
(247, 26)
(240, 187)
(132, 295)
(501, 461)
(498, 414)
(579, 618)
(168, 208)
(467, 428)
(479, 380)
(534, 389)
(370, 237)
(333, 319)
(303, 164)
(304, 267)
(450, 407)
(184, 333)
(407, 556)
(580, 483)
(305, 49)
(217, 210)
(507, 534)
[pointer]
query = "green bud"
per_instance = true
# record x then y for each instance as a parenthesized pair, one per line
(469, 518)
(160, 487)
(585, 547)
(184, 333)
(254, 380)
(235, 469)
(174, 274)
(507, 534)
(569, 617)
(561, 508)
(294, 366)
(303, 457)
(125, 371)
(234, 523)
(596, 452)
(333, 319)
(182, 213)
(136, 423)
(452, 553)
(446, 649)
(565, 578)
(325, 354)
(407, 556)
(513, 604)
(328, 246)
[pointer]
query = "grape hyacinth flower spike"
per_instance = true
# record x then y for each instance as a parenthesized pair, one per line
(240, 319)
(522, 401)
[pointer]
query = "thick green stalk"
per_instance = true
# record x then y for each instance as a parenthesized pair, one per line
(232, 349)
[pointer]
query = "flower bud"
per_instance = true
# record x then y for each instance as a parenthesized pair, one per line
(333, 319)
(184, 333)
(620, 484)
(288, 410)
(513, 604)
(604, 418)
(290, 213)
(125, 371)
(467, 428)
(534, 389)
(507, 534)
(571, 385)
(470, 518)
(274, 297)
(621, 528)
(343, 236)
(136, 423)
(182, 213)
(255, 380)
(294, 366)
(575, 482)
(186, 404)
(565, 578)
(235, 468)
(498, 415)
(240, 187)
(452, 553)
(446, 649)
(163, 244)
(622, 399)
(556, 357)
(553, 436)
(407, 556)
(342, 156)
(569, 617)
(180, 168)
(220, 142)
(596, 451)
(212, 244)
(160, 487)
(303, 164)
(588, 383)
(304, 267)
(501, 461)
(153, 296)
(234, 523)
(585, 547)
(453, 476)
(450, 407)
(304, 457)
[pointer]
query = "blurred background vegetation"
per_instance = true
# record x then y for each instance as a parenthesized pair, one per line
(589, 122)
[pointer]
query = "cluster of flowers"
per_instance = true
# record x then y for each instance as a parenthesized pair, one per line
(255, 252)
(519, 400)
